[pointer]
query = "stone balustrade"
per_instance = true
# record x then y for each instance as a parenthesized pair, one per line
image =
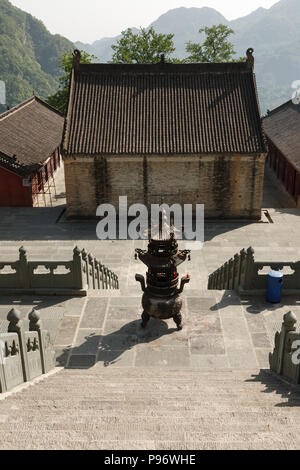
(242, 273)
(24, 355)
(75, 277)
(285, 359)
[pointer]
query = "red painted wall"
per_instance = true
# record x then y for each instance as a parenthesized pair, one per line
(12, 191)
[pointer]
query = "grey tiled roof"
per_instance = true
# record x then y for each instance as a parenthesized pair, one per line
(163, 109)
(29, 134)
(282, 126)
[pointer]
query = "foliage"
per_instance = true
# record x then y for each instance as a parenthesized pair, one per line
(215, 48)
(145, 47)
(60, 99)
(28, 53)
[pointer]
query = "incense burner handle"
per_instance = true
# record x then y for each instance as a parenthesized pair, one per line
(184, 280)
(141, 279)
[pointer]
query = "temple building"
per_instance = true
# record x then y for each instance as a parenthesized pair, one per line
(177, 133)
(282, 126)
(30, 144)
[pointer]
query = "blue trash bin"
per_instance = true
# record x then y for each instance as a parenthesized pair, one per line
(274, 287)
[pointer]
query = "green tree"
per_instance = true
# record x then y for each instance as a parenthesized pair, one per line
(215, 48)
(145, 47)
(60, 99)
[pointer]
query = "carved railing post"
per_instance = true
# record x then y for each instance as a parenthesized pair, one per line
(23, 270)
(249, 269)
(35, 324)
(98, 273)
(109, 273)
(102, 275)
(16, 326)
(116, 282)
(243, 265)
(225, 276)
(222, 277)
(86, 263)
(236, 271)
(276, 358)
(77, 269)
(215, 280)
(105, 277)
(230, 274)
(47, 353)
(92, 270)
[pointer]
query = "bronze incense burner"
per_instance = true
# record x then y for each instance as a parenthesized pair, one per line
(161, 298)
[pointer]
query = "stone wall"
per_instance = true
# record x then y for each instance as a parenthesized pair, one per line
(230, 186)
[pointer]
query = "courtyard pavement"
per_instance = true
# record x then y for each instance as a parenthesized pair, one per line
(220, 329)
(122, 387)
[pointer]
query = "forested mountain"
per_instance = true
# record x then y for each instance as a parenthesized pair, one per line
(28, 55)
(274, 34)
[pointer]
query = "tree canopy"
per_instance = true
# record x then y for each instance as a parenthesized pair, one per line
(60, 99)
(215, 48)
(144, 47)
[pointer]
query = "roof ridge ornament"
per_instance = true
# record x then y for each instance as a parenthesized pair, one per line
(250, 58)
(76, 59)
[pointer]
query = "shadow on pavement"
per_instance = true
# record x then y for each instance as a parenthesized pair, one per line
(108, 349)
(274, 384)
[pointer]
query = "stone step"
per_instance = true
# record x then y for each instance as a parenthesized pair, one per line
(196, 435)
(168, 404)
(51, 419)
(64, 421)
(188, 388)
(174, 384)
(41, 444)
(77, 409)
(156, 417)
(145, 409)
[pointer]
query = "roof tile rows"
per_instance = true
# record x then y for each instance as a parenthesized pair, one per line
(282, 126)
(171, 109)
(29, 134)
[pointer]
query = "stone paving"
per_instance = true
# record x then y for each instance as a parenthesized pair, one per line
(220, 329)
(125, 388)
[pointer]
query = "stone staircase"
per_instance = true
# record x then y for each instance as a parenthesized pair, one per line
(129, 408)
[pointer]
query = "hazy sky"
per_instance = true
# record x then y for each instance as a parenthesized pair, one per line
(89, 20)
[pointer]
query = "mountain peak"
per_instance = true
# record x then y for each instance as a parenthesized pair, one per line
(203, 13)
(290, 6)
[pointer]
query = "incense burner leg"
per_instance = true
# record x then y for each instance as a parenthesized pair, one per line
(178, 320)
(145, 319)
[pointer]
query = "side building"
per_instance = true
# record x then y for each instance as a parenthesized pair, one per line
(282, 128)
(177, 133)
(30, 152)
